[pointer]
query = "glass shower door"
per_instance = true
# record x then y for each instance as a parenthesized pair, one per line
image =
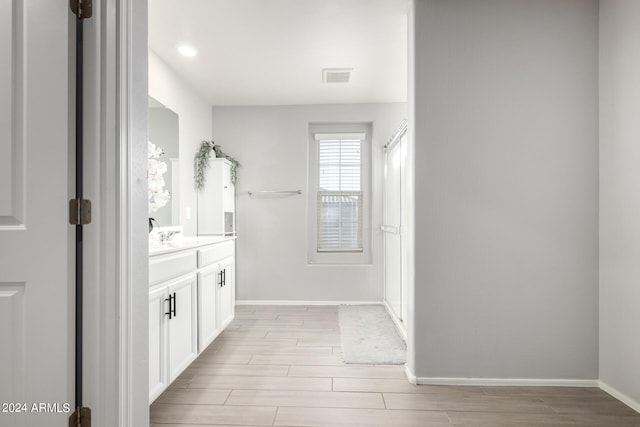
(392, 229)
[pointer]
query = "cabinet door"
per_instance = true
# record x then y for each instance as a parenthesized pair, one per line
(208, 280)
(226, 293)
(158, 306)
(228, 189)
(183, 341)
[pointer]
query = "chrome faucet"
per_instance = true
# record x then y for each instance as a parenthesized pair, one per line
(165, 236)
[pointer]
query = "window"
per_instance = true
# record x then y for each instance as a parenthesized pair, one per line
(339, 193)
(339, 185)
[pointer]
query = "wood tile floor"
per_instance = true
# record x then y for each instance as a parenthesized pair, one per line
(281, 365)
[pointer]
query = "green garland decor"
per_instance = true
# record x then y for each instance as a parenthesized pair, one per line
(202, 163)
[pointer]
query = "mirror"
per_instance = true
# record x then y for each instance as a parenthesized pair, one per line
(163, 132)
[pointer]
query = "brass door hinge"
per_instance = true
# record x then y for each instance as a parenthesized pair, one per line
(79, 212)
(80, 418)
(82, 8)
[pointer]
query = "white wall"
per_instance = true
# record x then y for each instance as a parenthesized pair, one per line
(506, 156)
(620, 198)
(271, 144)
(194, 114)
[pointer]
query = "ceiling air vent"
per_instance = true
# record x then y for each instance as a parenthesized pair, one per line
(336, 75)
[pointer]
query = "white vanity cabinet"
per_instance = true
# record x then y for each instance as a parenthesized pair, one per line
(173, 340)
(183, 325)
(208, 326)
(191, 300)
(216, 287)
(227, 292)
(158, 376)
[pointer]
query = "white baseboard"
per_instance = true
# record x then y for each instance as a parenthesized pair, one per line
(410, 376)
(402, 330)
(514, 382)
(632, 403)
(290, 302)
(507, 382)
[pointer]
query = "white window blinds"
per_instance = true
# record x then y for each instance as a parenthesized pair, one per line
(339, 203)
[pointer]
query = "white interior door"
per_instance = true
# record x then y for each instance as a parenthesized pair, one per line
(392, 230)
(36, 279)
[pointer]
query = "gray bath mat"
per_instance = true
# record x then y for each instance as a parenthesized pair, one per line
(369, 336)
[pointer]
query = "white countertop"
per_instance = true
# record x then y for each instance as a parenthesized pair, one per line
(183, 243)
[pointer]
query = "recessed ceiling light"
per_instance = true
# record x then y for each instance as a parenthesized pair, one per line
(187, 50)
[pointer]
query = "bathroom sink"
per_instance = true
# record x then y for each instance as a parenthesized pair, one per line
(180, 241)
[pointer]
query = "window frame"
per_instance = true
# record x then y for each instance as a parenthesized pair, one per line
(339, 256)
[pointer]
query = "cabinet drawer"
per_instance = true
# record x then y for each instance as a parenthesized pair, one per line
(167, 267)
(216, 253)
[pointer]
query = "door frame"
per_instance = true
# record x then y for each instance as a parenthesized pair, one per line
(116, 251)
(116, 259)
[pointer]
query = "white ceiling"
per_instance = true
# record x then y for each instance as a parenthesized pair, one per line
(272, 52)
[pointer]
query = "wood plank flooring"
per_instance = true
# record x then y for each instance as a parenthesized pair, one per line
(282, 366)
